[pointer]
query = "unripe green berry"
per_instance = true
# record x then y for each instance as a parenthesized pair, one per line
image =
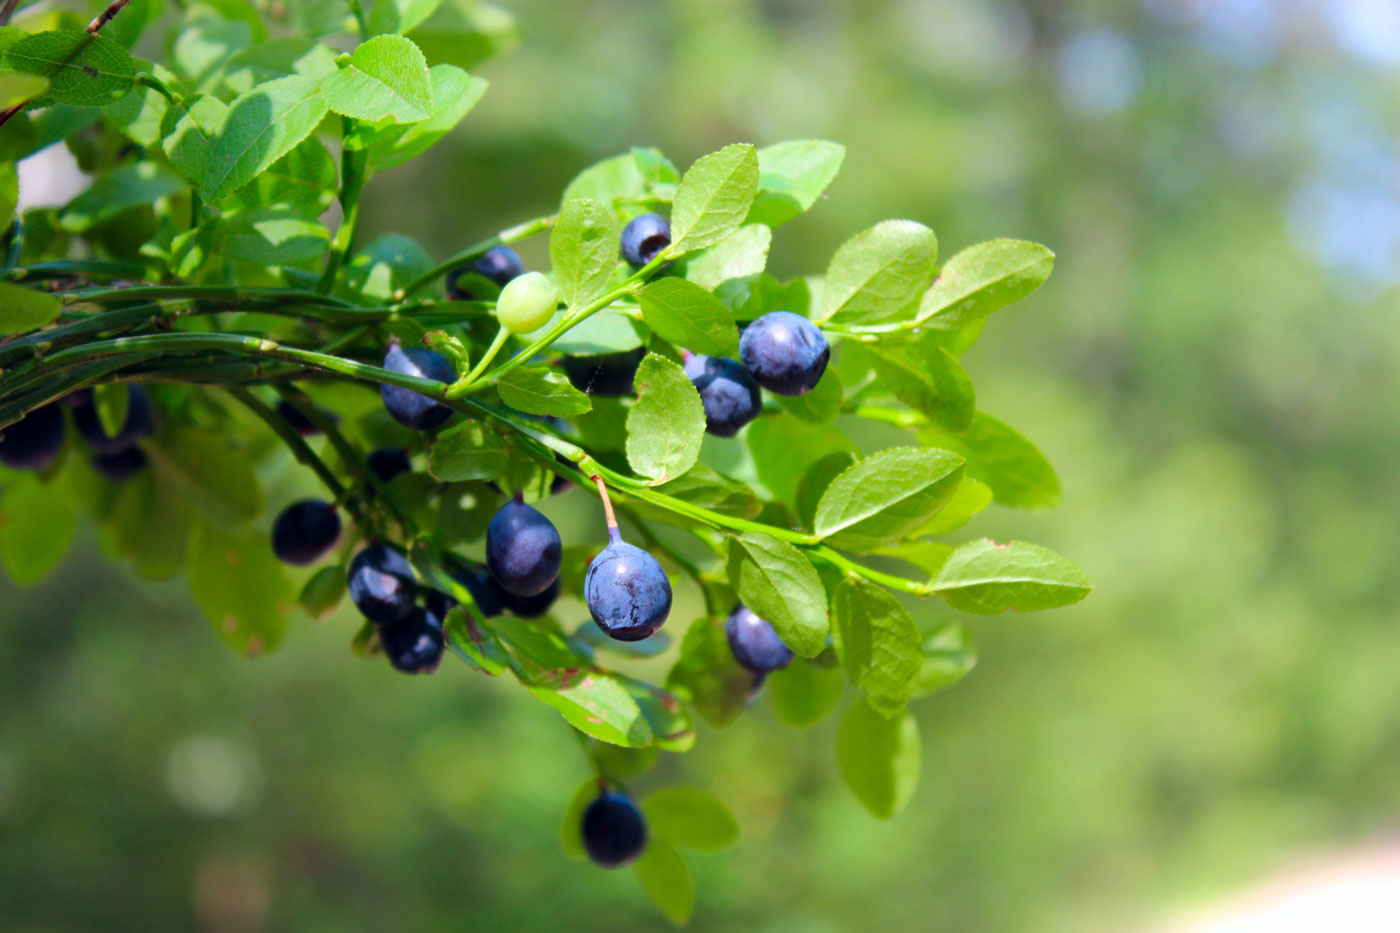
(527, 303)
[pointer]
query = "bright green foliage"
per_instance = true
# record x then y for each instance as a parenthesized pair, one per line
(198, 265)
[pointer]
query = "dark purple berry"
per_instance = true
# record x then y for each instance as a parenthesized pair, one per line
(523, 550)
(614, 830)
(627, 592)
(730, 397)
(409, 408)
(605, 374)
(784, 352)
(644, 238)
(33, 442)
(413, 644)
(137, 425)
(388, 462)
(531, 607)
(381, 584)
(499, 265)
(305, 532)
(754, 643)
(121, 465)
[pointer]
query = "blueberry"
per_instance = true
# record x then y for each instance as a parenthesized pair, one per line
(409, 408)
(137, 425)
(299, 422)
(729, 395)
(498, 264)
(381, 584)
(305, 531)
(754, 643)
(784, 352)
(644, 238)
(413, 644)
(627, 592)
(523, 551)
(605, 374)
(33, 442)
(487, 594)
(614, 830)
(527, 303)
(388, 462)
(531, 607)
(121, 465)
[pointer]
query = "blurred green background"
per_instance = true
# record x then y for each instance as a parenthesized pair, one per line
(1208, 368)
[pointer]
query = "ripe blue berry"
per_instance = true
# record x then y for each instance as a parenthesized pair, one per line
(381, 584)
(523, 550)
(754, 643)
(33, 442)
(784, 352)
(409, 408)
(413, 644)
(137, 425)
(388, 462)
(644, 238)
(614, 830)
(121, 465)
(531, 607)
(627, 592)
(485, 592)
(299, 422)
(499, 264)
(605, 374)
(305, 531)
(730, 397)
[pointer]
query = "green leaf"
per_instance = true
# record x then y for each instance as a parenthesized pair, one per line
(259, 127)
(188, 142)
(686, 315)
(466, 32)
(927, 378)
(304, 180)
(37, 525)
(323, 592)
(928, 556)
(148, 526)
(626, 177)
(966, 501)
(814, 481)
(805, 693)
(707, 675)
(709, 489)
(877, 276)
(210, 475)
(583, 251)
(132, 185)
(140, 114)
(822, 404)
(599, 705)
(384, 266)
(948, 657)
(455, 93)
(666, 881)
(571, 830)
(18, 87)
(878, 644)
(386, 78)
(782, 448)
(203, 45)
(468, 452)
(884, 496)
(277, 235)
(667, 425)
(670, 722)
(474, 644)
(83, 70)
(713, 198)
(778, 583)
(388, 16)
(240, 587)
(540, 390)
(597, 334)
(277, 58)
(112, 400)
(22, 309)
(1005, 460)
(691, 819)
(742, 254)
(986, 578)
(982, 279)
(880, 758)
(792, 176)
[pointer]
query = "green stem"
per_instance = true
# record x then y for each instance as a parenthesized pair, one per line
(463, 385)
(72, 268)
(358, 9)
(510, 235)
(354, 166)
(298, 446)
